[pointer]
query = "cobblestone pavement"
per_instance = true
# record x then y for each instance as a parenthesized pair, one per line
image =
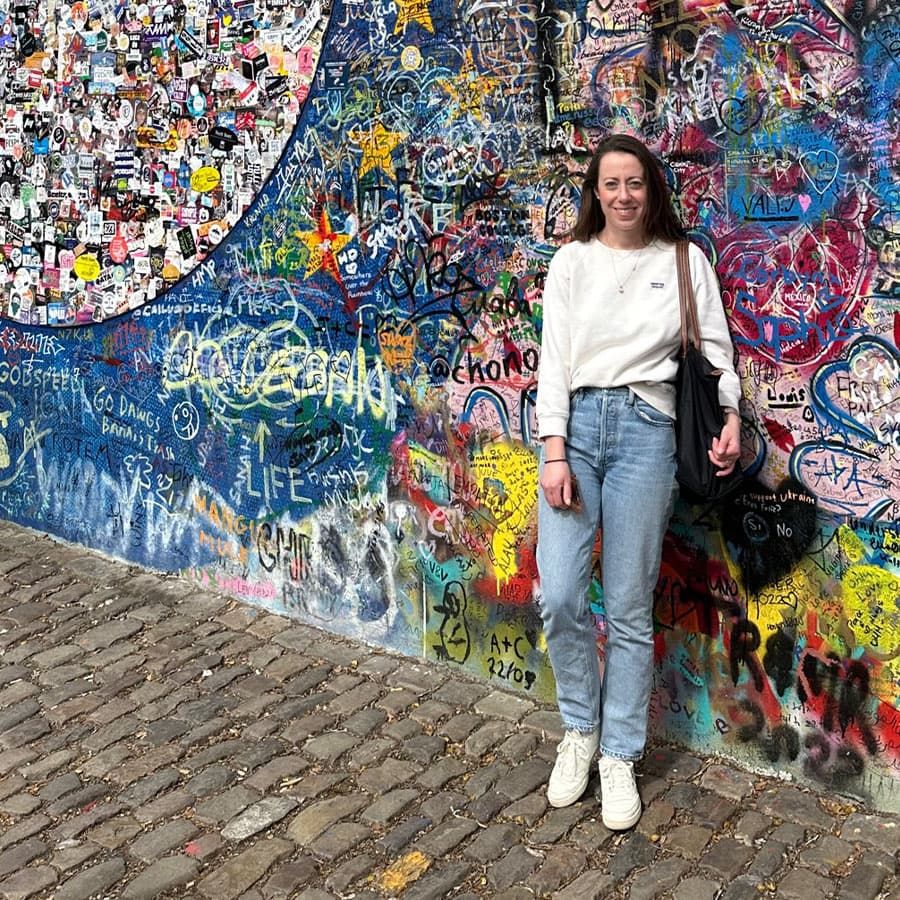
(160, 741)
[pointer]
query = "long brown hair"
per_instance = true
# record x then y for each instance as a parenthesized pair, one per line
(660, 220)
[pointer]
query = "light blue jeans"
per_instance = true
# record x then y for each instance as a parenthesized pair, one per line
(622, 451)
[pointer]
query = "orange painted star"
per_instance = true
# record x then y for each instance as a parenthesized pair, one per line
(468, 89)
(323, 244)
(377, 145)
(413, 11)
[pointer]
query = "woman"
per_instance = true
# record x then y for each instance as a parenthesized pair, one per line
(605, 409)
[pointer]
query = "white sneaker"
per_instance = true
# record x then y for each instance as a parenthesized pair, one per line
(621, 805)
(572, 769)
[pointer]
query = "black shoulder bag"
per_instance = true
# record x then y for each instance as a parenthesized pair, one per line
(699, 417)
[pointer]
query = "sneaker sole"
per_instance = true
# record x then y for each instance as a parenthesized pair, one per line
(567, 799)
(622, 824)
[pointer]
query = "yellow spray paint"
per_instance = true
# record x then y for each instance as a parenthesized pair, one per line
(397, 876)
(784, 602)
(851, 546)
(870, 603)
(872, 609)
(891, 541)
(506, 476)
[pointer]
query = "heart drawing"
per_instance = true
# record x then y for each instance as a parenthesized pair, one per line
(821, 167)
(740, 114)
(860, 394)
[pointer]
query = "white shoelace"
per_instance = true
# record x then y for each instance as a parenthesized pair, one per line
(620, 777)
(570, 750)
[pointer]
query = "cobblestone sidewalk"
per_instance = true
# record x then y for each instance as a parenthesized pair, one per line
(160, 741)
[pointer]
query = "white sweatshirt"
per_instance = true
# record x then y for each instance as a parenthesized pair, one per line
(595, 336)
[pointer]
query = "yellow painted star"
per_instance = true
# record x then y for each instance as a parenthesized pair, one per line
(323, 244)
(468, 89)
(413, 11)
(377, 145)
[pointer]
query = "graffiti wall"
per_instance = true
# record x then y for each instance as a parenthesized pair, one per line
(272, 277)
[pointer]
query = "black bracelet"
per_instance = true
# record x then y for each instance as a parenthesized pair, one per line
(558, 459)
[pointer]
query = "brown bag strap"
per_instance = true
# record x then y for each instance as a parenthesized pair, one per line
(690, 327)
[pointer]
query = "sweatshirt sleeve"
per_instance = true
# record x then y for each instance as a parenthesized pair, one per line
(554, 376)
(716, 344)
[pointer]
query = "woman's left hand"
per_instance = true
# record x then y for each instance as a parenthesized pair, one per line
(726, 448)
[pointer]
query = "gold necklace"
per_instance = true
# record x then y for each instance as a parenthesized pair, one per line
(612, 258)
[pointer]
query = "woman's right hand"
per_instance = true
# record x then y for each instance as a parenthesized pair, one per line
(556, 483)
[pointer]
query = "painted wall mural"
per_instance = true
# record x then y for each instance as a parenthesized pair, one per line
(302, 247)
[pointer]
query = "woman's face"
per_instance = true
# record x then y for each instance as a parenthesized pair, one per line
(622, 192)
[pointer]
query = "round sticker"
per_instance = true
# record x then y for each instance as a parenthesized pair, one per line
(411, 57)
(205, 179)
(118, 249)
(87, 268)
(196, 102)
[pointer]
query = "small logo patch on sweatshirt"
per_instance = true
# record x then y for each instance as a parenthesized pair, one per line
(657, 284)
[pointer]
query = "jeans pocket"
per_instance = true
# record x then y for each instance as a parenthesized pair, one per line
(651, 415)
